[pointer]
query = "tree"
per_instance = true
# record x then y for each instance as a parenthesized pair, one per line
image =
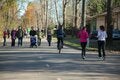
(83, 13)
(109, 23)
(64, 10)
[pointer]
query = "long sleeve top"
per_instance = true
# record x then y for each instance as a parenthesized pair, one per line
(102, 35)
(83, 35)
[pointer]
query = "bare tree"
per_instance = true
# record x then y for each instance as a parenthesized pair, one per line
(64, 10)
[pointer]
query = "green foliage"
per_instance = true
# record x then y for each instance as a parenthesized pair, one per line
(98, 6)
(51, 26)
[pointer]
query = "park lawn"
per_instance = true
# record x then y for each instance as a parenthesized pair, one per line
(74, 43)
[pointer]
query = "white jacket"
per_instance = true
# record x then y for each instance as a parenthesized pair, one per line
(102, 35)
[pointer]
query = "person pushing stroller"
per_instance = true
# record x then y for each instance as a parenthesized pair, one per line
(33, 38)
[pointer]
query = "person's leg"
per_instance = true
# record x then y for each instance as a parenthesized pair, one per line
(103, 48)
(49, 40)
(13, 42)
(21, 41)
(58, 42)
(99, 48)
(4, 42)
(18, 41)
(84, 48)
(62, 42)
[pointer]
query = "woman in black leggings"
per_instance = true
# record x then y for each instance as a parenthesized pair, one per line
(102, 35)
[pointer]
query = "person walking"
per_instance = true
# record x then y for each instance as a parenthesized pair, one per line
(8, 33)
(13, 37)
(20, 35)
(49, 37)
(4, 37)
(38, 32)
(33, 38)
(83, 36)
(102, 35)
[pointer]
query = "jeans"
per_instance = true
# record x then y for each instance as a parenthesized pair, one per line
(101, 46)
(20, 41)
(49, 38)
(83, 45)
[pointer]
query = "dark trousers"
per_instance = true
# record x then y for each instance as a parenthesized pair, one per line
(13, 42)
(4, 42)
(20, 40)
(60, 39)
(101, 46)
(49, 38)
(83, 45)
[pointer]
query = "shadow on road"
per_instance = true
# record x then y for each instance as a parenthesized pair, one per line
(54, 62)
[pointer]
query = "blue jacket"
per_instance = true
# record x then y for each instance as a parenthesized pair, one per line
(60, 33)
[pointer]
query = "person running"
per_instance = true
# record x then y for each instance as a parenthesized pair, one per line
(20, 35)
(13, 37)
(60, 35)
(83, 36)
(4, 37)
(49, 37)
(102, 35)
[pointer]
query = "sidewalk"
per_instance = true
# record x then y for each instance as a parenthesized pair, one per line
(44, 63)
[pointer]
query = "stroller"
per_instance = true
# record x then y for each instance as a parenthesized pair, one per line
(33, 41)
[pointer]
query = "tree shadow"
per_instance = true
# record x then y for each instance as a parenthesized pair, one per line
(54, 62)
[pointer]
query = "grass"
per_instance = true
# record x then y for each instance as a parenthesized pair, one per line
(74, 42)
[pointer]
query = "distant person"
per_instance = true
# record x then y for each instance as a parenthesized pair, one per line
(8, 33)
(33, 39)
(49, 37)
(102, 35)
(32, 31)
(20, 34)
(60, 35)
(38, 32)
(83, 36)
(13, 37)
(4, 37)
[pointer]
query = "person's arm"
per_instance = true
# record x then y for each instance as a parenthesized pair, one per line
(87, 36)
(98, 35)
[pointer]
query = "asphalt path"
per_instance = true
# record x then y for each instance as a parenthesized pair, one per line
(45, 63)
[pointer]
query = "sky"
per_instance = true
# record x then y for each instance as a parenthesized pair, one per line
(23, 6)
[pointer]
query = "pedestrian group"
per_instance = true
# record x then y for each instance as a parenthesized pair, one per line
(35, 38)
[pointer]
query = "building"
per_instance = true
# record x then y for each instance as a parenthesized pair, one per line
(95, 21)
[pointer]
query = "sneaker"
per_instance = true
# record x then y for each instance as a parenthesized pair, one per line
(100, 58)
(83, 57)
(103, 58)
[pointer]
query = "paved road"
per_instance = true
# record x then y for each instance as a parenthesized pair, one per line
(44, 63)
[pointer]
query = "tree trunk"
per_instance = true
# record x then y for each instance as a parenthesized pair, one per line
(83, 13)
(56, 11)
(75, 21)
(63, 14)
(109, 23)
